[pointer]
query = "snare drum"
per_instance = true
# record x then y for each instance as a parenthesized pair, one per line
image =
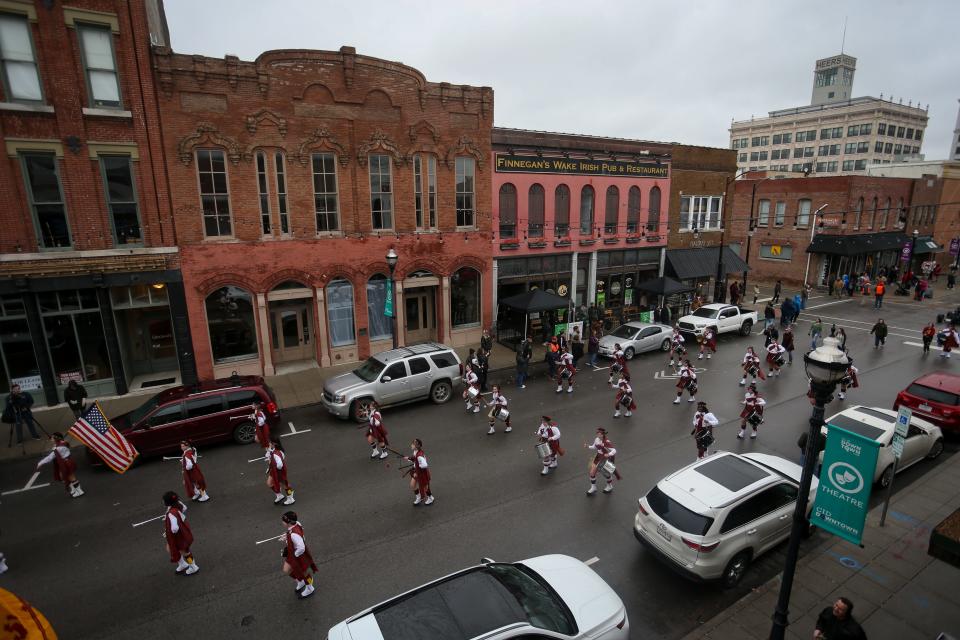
(473, 392)
(543, 450)
(502, 414)
(755, 419)
(607, 469)
(780, 360)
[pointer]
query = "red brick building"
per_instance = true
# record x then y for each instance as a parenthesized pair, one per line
(293, 175)
(90, 287)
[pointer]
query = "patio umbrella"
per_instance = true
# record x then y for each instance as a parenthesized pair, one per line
(534, 301)
(664, 286)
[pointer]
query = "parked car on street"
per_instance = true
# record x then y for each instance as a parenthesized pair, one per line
(636, 337)
(712, 518)
(934, 397)
(725, 317)
(206, 412)
(407, 374)
(924, 440)
(552, 596)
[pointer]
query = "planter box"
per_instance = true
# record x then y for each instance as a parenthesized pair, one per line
(540, 244)
(509, 246)
(945, 540)
(587, 243)
(611, 240)
(561, 243)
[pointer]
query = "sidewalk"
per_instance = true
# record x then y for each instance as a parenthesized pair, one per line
(899, 592)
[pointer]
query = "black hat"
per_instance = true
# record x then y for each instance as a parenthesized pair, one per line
(289, 517)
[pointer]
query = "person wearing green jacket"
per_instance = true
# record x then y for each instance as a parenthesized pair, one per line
(879, 332)
(816, 330)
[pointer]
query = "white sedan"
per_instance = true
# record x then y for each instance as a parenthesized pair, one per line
(636, 337)
(545, 597)
(924, 440)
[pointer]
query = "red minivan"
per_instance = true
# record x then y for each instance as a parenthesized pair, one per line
(934, 397)
(206, 412)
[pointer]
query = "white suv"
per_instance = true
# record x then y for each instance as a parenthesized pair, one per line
(710, 519)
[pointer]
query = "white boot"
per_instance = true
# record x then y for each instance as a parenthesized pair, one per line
(3, 564)
(300, 585)
(740, 435)
(546, 470)
(593, 489)
(508, 430)
(192, 569)
(743, 381)
(608, 488)
(182, 565)
(428, 501)
(841, 395)
(278, 499)
(416, 500)
(628, 414)
(469, 406)
(490, 432)
(307, 591)
(384, 454)
(753, 435)
(708, 356)
(700, 357)
(692, 399)
(204, 496)
(616, 414)
(476, 409)
(374, 452)
(677, 400)
(670, 364)
(553, 463)
(289, 499)
(570, 389)
(559, 388)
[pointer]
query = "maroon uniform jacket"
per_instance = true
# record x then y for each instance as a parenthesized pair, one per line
(180, 541)
(192, 477)
(299, 565)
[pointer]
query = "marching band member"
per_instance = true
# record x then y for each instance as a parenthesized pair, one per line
(952, 341)
(549, 433)
(619, 365)
(676, 347)
(178, 535)
(259, 417)
(376, 432)
(751, 366)
(752, 411)
(277, 474)
(688, 381)
(624, 398)
(605, 452)
(419, 474)
(297, 561)
(64, 468)
(709, 342)
(499, 403)
(775, 357)
(472, 393)
(849, 380)
(566, 371)
(703, 424)
(193, 480)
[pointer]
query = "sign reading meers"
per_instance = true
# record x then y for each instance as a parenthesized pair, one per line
(507, 163)
(843, 495)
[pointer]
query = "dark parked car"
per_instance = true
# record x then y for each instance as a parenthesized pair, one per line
(207, 412)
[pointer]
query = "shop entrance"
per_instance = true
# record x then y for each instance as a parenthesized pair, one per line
(420, 314)
(291, 333)
(145, 334)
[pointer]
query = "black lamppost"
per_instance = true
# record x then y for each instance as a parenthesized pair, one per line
(719, 288)
(826, 366)
(913, 249)
(392, 258)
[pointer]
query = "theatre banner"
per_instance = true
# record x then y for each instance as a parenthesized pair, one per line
(508, 163)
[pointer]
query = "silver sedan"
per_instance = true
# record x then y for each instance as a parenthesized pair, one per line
(636, 337)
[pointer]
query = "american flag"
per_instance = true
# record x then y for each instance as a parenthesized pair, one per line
(94, 430)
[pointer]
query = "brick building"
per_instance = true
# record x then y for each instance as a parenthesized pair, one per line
(90, 287)
(864, 226)
(293, 175)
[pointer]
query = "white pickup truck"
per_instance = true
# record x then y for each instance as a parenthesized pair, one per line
(725, 317)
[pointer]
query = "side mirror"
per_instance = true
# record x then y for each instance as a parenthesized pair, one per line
(386, 379)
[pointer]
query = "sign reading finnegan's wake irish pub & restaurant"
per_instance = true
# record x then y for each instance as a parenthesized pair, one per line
(535, 164)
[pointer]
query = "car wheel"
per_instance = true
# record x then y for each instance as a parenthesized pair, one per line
(244, 433)
(886, 477)
(628, 353)
(936, 449)
(735, 569)
(441, 392)
(361, 409)
(665, 345)
(746, 328)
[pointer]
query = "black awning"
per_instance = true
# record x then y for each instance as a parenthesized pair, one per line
(926, 244)
(535, 300)
(663, 286)
(856, 244)
(702, 263)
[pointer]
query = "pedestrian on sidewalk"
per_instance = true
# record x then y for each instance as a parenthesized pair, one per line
(777, 288)
(805, 295)
(64, 468)
(929, 333)
(576, 346)
(756, 293)
(734, 293)
(178, 535)
(75, 395)
(952, 278)
(18, 413)
(878, 295)
(593, 348)
(879, 332)
(277, 474)
(193, 480)
(486, 342)
(297, 561)
(816, 331)
(523, 363)
(837, 623)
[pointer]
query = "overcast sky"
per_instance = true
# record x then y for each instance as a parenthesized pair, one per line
(646, 69)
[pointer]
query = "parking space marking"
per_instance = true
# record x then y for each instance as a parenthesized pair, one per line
(293, 431)
(139, 524)
(271, 539)
(29, 485)
(593, 560)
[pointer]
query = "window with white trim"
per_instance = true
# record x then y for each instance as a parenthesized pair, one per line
(425, 190)
(381, 192)
(700, 212)
(325, 200)
(465, 173)
(21, 77)
(45, 198)
(121, 197)
(763, 213)
(340, 313)
(780, 213)
(263, 194)
(803, 213)
(214, 194)
(281, 176)
(99, 64)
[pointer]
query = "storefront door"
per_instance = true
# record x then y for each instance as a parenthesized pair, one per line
(290, 331)
(420, 315)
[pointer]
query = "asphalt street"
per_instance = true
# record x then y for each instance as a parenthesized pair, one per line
(95, 575)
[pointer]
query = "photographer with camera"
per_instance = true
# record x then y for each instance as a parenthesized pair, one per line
(17, 412)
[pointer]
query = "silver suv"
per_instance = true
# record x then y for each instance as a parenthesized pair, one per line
(398, 376)
(711, 519)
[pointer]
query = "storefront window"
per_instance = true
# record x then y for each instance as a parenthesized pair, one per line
(508, 211)
(561, 210)
(75, 338)
(535, 211)
(379, 326)
(586, 211)
(233, 332)
(465, 297)
(340, 313)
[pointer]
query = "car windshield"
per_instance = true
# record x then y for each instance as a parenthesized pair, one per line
(624, 331)
(140, 412)
(369, 370)
(677, 515)
(933, 395)
(543, 607)
(703, 312)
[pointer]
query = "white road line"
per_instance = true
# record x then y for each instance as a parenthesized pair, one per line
(146, 521)
(827, 304)
(847, 326)
(293, 431)
(919, 344)
(271, 539)
(28, 486)
(593, 560)
(33, 478)
(866, 322)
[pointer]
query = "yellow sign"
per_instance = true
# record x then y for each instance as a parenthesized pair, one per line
(775, 250)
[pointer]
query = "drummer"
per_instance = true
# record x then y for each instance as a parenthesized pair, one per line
(603, 461)
(548, 446)
(472, 393)
(499, 411)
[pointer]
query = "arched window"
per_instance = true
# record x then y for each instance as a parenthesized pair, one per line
(612, 213)
(233, 331)
(379, 326)
(901, 215)
(465, 298)
(653, 222)
(859, 214)
(873, 213)
(586, 211)
(633, 210)
(561, 210)
(886, 214)
(535, 213)
(340, 312)
(508, 211)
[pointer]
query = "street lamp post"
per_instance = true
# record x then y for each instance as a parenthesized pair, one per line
(719, 288)
(392, 258)
(826, 366)
(913, 249)
(813, 229)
